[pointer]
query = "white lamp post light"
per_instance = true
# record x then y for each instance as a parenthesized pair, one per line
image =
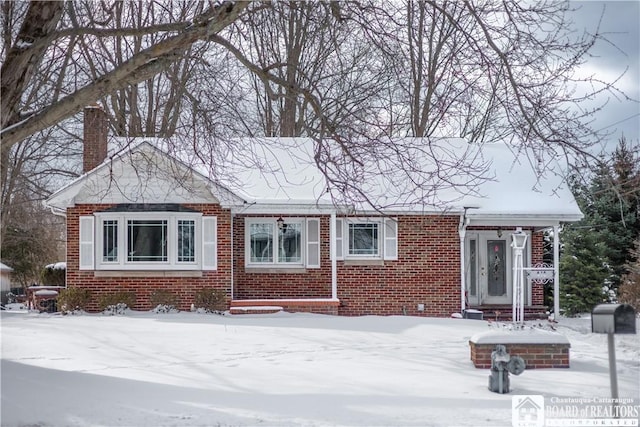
(518, 243)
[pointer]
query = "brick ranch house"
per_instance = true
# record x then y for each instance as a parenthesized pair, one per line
(142, 220)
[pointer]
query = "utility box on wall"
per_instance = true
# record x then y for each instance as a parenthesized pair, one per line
(613, 319)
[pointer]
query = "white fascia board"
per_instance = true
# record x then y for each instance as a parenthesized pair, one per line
(65, 197)
(408, 212)
(528, 220)
(283, 208)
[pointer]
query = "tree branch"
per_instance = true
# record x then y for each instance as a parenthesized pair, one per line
(139, 67)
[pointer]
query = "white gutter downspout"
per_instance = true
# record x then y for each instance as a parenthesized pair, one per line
(334, 261)
(556, 272)
(462, 231)
(58, 212)
(63, 214)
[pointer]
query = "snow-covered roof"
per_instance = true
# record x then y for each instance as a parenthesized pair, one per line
(4, 267)
(488, 182)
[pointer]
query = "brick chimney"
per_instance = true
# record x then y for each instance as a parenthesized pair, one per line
(95, 137)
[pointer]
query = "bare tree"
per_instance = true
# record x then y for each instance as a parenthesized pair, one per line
(489, 71)
(40, 36)
(348, 74)
(151, 107)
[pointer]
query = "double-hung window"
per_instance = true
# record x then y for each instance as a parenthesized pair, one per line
(150, 240)
(293, 242)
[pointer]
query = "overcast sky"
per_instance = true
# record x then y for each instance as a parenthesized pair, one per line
(619, 22)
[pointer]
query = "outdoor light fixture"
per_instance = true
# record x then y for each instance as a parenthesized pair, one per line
(280, 223)
(519, 241)
(499, 232)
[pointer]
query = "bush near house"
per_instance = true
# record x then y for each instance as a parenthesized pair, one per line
(54, 275)
(164, 301)
(73, 299)
(211, 300)
(117, 302)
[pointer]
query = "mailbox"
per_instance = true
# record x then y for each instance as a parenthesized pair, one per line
(613, 319)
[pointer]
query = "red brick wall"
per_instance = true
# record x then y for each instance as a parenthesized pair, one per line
(536, 356)
(184, 287)
(427, 272)
(537, 247)
(95, 137)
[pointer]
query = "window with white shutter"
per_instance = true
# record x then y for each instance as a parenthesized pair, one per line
(390, 239)
(339, 239)
(86, 243)
(313, 243)
(209, 243)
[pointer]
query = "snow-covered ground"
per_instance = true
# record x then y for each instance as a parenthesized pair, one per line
(188, 369)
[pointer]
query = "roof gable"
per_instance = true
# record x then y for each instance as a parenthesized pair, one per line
(143, 174)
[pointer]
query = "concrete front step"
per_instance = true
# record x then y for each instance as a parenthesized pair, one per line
(503, 313)
(265, 309)
(264, 306)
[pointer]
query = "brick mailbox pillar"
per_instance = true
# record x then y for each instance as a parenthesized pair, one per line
(538, 348)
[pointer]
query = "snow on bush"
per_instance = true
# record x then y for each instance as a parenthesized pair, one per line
(73, 300)
(117, 302)
(209, 300)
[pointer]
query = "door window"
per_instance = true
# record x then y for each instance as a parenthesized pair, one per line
(496, 268)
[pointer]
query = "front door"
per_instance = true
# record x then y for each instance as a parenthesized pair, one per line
(495, 280)
(488, 268)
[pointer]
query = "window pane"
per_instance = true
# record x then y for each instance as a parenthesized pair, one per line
(473, 267)
(147, 240)
(290, 243)
(363, 239)
(110, 241)
(186, 240)
(261, 237)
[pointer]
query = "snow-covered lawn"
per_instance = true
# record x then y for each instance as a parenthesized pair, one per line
(188, 369)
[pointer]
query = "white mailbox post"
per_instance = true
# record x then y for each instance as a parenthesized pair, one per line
(613, 319)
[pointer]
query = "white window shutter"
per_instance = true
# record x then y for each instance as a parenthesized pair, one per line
(209, 243)
(87, 252)
(390, 239)
(339, 239)
(313, 243)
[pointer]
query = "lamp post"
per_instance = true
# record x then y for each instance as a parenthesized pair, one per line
(518, 243)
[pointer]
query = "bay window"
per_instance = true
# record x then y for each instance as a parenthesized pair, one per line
(148, 241)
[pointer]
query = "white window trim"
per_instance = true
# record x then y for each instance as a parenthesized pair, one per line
(383, 239)
(275, 263)
(172, 249)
